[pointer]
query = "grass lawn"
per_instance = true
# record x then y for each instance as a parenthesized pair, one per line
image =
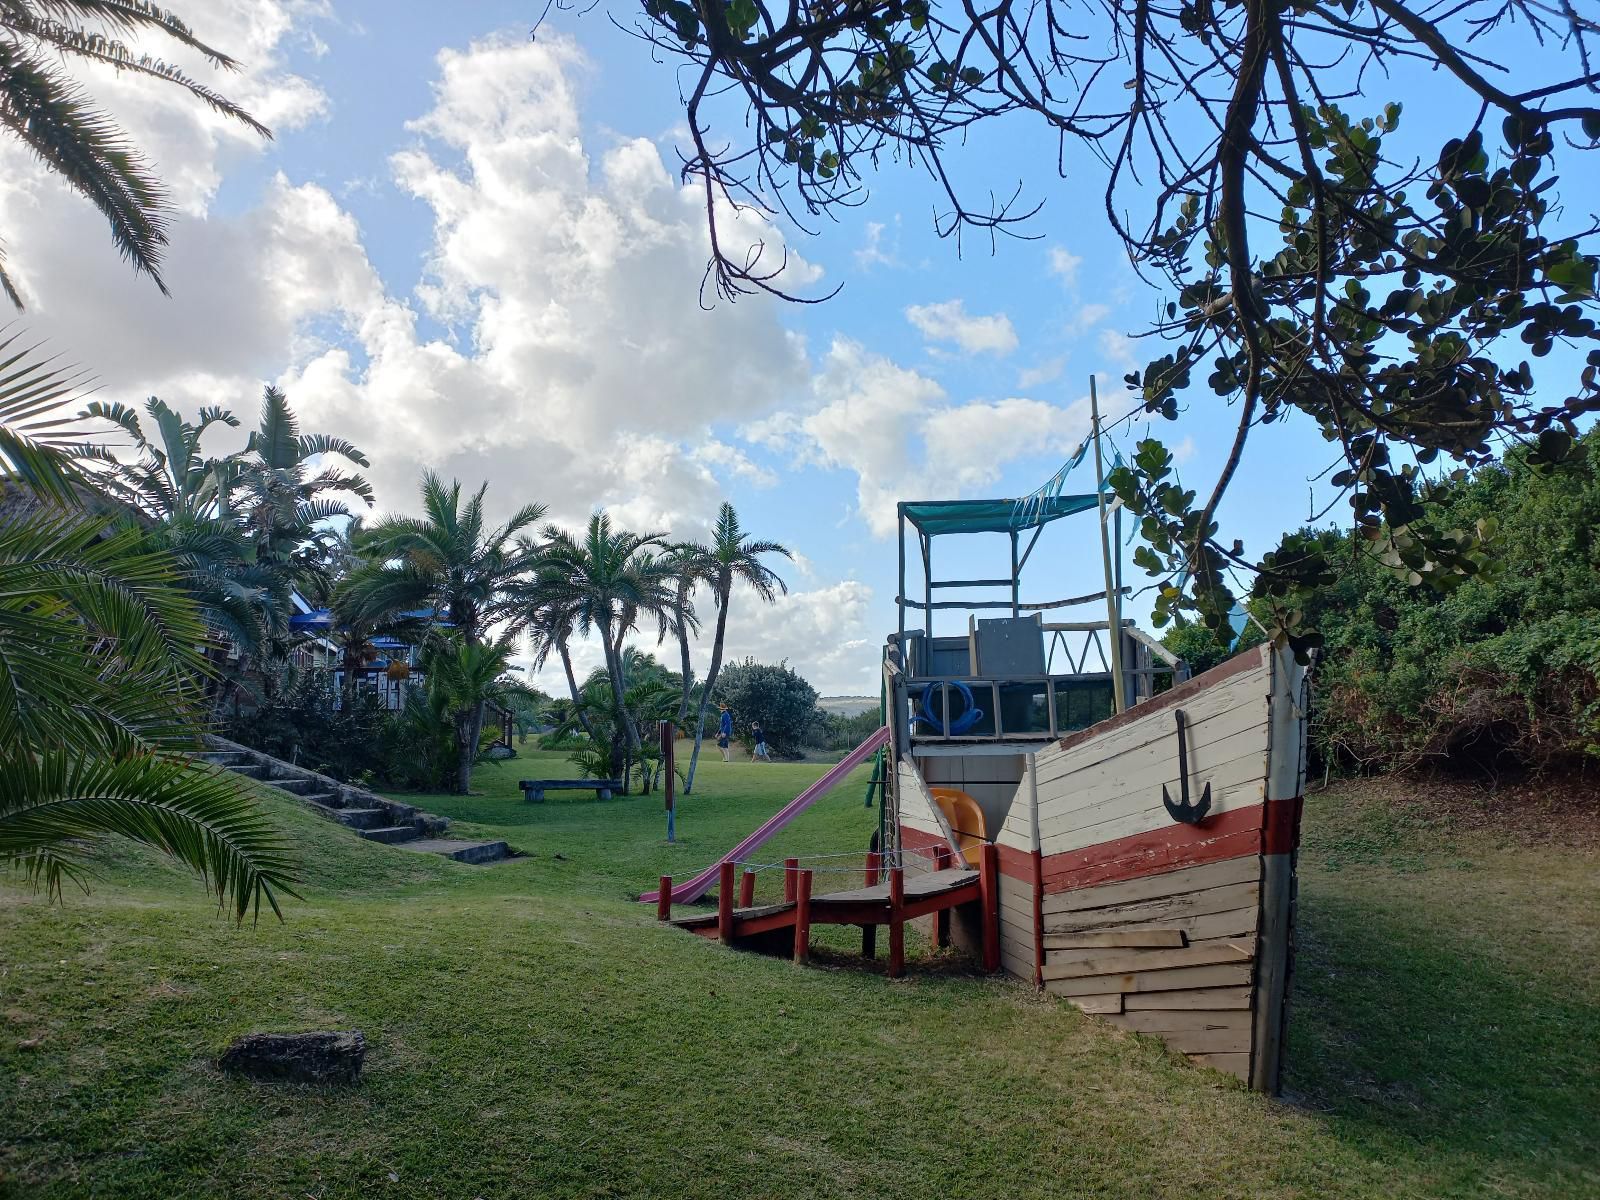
(533, 1033)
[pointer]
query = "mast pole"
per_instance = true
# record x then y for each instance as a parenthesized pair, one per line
(1113, 625)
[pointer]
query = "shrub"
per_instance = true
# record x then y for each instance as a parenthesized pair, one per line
(784, 703)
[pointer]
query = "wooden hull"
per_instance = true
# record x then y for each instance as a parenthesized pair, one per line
(1181, 931)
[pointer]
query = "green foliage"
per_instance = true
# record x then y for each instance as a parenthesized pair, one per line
(835, 732)
(46, 109)
(1504, 666)
(783, 702)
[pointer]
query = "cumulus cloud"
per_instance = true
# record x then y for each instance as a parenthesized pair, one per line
(896, 430)
(949, 321)
(1064, 265)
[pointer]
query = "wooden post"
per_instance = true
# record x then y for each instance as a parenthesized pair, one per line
(869, 932)
(1113, 607)
(802, 917)
(791, 868)
(941, 919)
(664, 899)
(725, 904)
(989, 894)
(747, 889)
(897, 923)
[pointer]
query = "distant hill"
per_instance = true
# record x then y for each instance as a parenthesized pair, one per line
(848, 706)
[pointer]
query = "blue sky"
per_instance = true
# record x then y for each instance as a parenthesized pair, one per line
(468, 251)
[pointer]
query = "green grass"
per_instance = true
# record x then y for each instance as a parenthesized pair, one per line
(534, 1032)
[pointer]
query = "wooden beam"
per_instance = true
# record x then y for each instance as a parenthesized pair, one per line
(989, 892)
(664, 899)
(1203, 955)
(725, 903)
(1163, 938)
(791, 867)
(897, 924)
(747, 888)
(802, 917)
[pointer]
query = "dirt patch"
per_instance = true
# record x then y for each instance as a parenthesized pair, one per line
(1552, 811)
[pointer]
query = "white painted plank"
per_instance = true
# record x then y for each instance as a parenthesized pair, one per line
(1163, 911)
(1212, 999)
(1246, 868)
(1133, 961)
(1176, 979)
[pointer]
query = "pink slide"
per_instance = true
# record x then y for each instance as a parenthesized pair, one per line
(693, 889)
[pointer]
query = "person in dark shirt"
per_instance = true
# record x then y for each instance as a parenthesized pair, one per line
(725, 733)
(760, 736)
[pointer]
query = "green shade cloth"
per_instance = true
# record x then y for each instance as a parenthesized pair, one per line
(934, 517)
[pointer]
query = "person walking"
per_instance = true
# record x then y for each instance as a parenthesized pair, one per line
(760, 738)
(725, 733)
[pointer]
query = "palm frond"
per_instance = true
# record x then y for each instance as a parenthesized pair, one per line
(205, 818)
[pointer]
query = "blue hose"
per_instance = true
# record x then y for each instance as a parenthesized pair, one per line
(971, 714)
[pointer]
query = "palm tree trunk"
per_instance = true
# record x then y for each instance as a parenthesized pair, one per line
(619, 704)
(711, 682)
(686, 666)
(572, 688)
(466, 753)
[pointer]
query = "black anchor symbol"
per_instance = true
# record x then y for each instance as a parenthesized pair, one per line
(1183, 811)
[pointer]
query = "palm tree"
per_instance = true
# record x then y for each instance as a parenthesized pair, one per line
(44, 108)
(609, 580)
(690, 562)
(464, 677)
(100, 670)
(451, 566)
(550, 625)
(734, 557)
(171, 479)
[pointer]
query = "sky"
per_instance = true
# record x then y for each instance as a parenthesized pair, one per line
(468, 249)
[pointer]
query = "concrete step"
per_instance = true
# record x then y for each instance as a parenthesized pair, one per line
(300, 787)
(329, 800)
(390, 834)
(474, 853)
(365, 818)
(222, 758)
(249, 770)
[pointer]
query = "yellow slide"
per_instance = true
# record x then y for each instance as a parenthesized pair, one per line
(966, 820)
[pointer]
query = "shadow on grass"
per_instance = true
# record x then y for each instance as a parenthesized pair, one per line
(1400, 1029)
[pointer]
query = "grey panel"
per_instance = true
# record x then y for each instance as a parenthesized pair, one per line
(1011, 646)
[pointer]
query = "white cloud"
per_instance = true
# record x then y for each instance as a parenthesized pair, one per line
(1119, 348)
(874, 253)
(1046, 372)
(949, 321)
(1064, 264)
(1086, 317)
(894, 428)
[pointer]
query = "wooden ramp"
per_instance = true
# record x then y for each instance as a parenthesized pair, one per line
(888, 898)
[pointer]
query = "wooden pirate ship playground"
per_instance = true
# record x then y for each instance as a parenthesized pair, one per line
(1062, 800)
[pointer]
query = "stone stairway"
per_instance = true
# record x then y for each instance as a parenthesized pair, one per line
(373, 817)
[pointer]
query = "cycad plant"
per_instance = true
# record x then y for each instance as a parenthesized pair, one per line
(44, 108)
(100, 670)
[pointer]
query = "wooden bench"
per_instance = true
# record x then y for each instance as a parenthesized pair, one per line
(533, 790)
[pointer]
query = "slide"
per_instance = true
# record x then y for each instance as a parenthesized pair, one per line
(693, 889)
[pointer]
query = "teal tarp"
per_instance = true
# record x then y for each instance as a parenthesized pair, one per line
(934, 517)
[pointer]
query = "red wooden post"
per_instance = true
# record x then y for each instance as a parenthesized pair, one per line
(747, 889)
(791, 868)
(802, 917)
(725, 904)
(869, 932)
(897, 923)
(989, 892)
(664, 899)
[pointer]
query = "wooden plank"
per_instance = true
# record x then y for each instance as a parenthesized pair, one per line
(1116, 937)
(1237, 1065)
(923, 804)
(1212, 999)
(1111, 1002)
(1208, 1041)
(1234, 923)
(1246, 692)
(1093, 797)
(1176, 979)
(1237, 783)
(1098, 763)
(1152, 960)
(1165, 911)
(1175, 1020)
(1244, 869)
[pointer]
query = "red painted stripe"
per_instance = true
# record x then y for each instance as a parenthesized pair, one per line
(1016, 863)
(919, 841)
(1227, 835)
(1282, 832)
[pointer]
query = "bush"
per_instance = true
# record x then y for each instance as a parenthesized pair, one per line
(1502, 671)
(784, 703)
